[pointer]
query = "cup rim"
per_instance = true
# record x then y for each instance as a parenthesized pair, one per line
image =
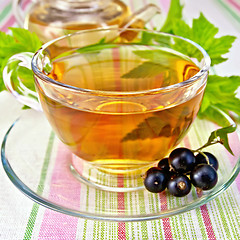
(203, 70)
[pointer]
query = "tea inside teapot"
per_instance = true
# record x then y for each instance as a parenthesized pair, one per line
(50, 19)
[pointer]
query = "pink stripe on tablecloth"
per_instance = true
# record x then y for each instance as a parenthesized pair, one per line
(121, 231)
(164, 5)
(55, 224)
(187, 142)
(26, 3)
(234, 143)
(9, 23)
(234, 4)
(121, 206)
(3, 4)
(11, 19)
(207, 222)
(204, 211)
(166, 221)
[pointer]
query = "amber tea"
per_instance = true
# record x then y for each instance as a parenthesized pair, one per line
(120, 132)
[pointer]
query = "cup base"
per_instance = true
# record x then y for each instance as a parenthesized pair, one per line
(123, 181)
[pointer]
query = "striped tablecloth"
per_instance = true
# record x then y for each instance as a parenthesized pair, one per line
(20, 218)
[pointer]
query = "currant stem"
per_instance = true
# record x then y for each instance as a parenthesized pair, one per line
(206, 157)
(207, 145)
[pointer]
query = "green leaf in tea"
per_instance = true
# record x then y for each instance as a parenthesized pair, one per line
(159, 56)
(145, 70)
(170, 65)
(159, 62)
(158, 125)
(149, 128)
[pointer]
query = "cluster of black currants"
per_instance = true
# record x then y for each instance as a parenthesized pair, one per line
(181, 170)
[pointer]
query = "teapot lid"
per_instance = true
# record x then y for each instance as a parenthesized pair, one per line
(80, 5)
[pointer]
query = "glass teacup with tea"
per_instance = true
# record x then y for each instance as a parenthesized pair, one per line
(50, 19)
(119, 99)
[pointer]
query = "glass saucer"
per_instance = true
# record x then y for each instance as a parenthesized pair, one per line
(39, 165)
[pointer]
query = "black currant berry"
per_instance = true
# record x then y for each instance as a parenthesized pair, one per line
(204, 176)
(182, 160)
(156, 180)
(179, 186)
(164, 165)
(200, 158)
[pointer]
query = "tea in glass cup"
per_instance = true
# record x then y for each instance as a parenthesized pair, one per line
(120, 103)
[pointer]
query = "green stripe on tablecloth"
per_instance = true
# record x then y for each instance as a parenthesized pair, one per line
(183, 225)
(94, 229)
(31, 222)
(84, 230)
(101, 203)
(230, 10)
(233, 201)
(224, 215)
(102, 225)
(191, 224)
(100, 200)
(5, 11)
(218, 227)
(143, 211)
(34, 212)
(174, 220)
(229, 214)
(87, 204)
(227, 202)
(156, 232)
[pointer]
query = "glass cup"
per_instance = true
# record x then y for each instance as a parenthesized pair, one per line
(119, 99)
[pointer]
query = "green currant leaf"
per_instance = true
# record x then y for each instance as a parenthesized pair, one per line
(26, 76)
(20, 40)
(174, 15)
(222, 136)
(204, 33)
(28, 40)
(220, 93)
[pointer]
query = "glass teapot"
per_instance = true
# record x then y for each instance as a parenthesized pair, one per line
(50, 19)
